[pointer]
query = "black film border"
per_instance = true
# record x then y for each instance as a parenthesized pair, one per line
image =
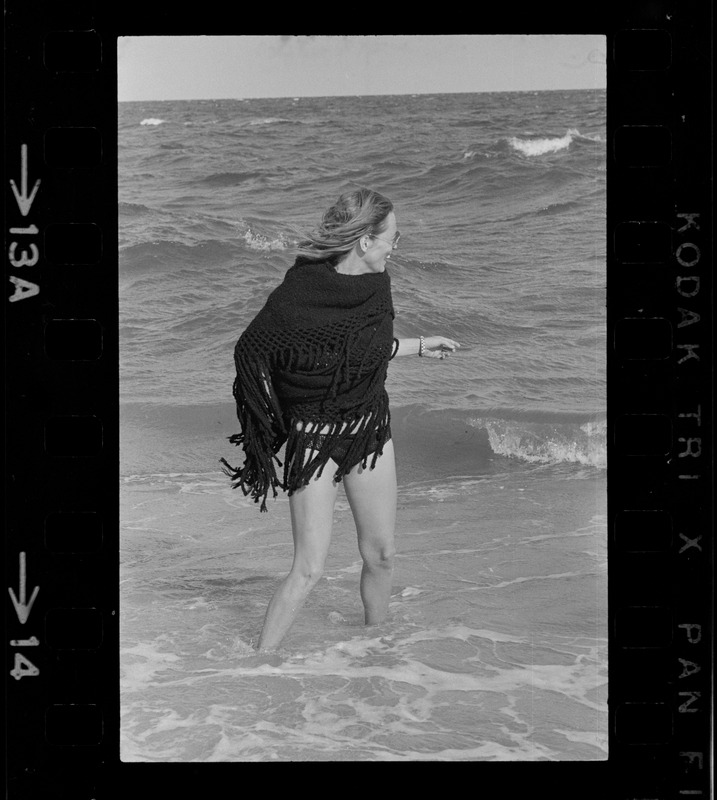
(62, 387)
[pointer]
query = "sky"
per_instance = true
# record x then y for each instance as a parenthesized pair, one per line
(224, 67)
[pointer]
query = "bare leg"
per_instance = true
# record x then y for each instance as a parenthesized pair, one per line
(312, 515)
(372, 496)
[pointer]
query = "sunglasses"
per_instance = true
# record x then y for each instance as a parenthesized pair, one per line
(393, 242)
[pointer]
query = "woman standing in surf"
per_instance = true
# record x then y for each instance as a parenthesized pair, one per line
(311, 371)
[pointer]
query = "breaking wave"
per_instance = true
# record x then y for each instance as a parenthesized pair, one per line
(548, 442)
(538, 146)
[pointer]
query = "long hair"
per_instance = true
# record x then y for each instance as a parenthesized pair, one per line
(355, 214)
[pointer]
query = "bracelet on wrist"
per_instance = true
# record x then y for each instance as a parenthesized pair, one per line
(421, 346)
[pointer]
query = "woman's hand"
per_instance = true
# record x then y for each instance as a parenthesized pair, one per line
(439, 346)
(433, 347)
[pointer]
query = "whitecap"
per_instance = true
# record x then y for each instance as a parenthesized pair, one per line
(256, 241)
(547, 444)
(543, 146)
(267, 121)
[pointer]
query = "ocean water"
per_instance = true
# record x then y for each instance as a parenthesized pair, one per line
(496, 646)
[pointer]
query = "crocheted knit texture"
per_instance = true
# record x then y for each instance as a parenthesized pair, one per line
(317, 353)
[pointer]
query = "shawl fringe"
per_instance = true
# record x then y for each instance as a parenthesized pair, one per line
(304, 459)
(262, 432)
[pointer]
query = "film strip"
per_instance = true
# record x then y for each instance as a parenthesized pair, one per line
(659, 382)
(61, 544)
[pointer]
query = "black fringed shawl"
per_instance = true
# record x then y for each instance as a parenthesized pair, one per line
(318, 353)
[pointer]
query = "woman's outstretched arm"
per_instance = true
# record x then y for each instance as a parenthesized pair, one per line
(433, 346)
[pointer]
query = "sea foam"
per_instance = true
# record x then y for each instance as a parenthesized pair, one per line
(548, 443)
(257, 241)
(542, 146)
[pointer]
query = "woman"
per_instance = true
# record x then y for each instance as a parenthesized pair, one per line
(311, 369)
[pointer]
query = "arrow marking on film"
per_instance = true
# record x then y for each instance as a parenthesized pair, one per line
(22, 609)
(23, 201)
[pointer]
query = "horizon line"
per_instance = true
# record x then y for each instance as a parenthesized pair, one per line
(386, 94)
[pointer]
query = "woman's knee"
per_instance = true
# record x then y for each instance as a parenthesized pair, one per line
(379, 556)
(307, 573)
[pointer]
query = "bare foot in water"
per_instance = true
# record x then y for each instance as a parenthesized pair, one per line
(268, 658)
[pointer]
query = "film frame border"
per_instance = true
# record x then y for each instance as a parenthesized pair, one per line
(62, 397)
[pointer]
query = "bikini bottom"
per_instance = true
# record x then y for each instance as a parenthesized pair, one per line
(341, 448)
